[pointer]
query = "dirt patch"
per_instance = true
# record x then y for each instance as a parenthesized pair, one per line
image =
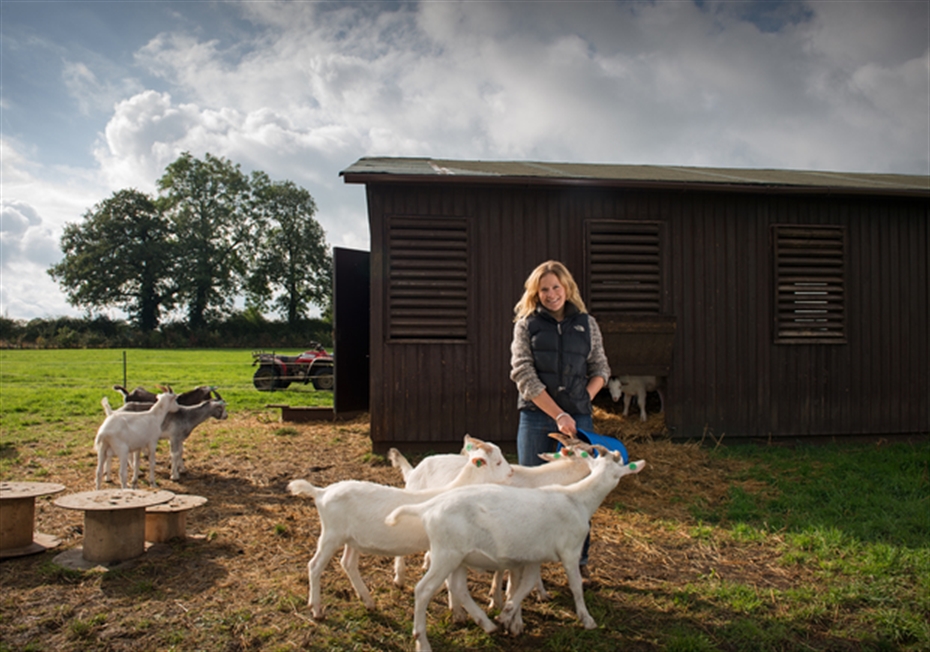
(239, 581)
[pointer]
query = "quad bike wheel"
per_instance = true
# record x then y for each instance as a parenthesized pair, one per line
(322, 378)
(265, 379)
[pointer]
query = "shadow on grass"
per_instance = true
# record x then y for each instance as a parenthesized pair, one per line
(8, 451)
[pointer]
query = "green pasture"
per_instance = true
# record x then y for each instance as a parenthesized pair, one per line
(42, 388)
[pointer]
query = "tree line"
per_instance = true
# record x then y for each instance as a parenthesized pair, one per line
(246, 329)
(211, 235)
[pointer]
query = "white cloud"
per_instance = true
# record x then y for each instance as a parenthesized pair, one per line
(27, 248)
(36, 203)
(23, 236)
(90, 92)
(28, 292)
(149, 131)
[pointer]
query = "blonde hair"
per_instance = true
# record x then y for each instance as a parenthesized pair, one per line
(530, 299)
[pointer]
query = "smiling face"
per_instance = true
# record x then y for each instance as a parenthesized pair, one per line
(551, 286)
(551, 295)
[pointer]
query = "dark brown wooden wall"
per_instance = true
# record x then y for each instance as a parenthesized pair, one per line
(728, 377)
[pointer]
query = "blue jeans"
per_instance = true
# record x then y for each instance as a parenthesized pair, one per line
(533, 435)
(533, 438)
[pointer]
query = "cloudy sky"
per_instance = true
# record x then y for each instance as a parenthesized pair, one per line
(100, 96)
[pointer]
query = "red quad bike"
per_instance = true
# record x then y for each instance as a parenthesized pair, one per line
(279, 371)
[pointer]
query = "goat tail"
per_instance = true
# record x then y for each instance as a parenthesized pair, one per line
(404, 510)
(106, 406)
(398, 461)
(122, 390)
(303, 488)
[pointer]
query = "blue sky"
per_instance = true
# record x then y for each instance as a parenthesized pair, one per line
(100, 96)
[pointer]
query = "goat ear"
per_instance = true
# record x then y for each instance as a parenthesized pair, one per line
(637, 466)
(479, 461)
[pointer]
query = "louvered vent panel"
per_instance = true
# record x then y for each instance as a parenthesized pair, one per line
(810, 287)
(427, 278)
(624, 264)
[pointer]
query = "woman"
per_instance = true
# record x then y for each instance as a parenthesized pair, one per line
(557, 360)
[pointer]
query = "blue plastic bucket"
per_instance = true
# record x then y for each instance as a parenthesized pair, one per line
(607, 442)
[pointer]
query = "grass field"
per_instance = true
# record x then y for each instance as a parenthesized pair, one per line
(72, 382)
(740, 548)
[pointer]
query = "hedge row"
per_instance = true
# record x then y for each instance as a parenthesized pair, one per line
(239, 331)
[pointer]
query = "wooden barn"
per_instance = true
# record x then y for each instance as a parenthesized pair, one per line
(776, 304)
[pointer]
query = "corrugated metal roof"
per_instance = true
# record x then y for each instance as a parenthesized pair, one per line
(373, 170)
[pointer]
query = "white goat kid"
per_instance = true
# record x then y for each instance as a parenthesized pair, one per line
(433, 472)
(496, 527)
(638, 386)
(439, 470)
(352, 514)
(563, 468)
(124, 432)
(176, 426)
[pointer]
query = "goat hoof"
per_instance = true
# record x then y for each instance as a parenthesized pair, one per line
(505, 617)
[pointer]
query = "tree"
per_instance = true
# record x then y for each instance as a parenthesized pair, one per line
(292, 266)
(208, 204)
(119, 256)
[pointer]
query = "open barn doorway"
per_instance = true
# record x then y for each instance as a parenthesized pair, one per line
(351, 329)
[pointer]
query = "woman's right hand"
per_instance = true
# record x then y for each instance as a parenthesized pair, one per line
(566, 424)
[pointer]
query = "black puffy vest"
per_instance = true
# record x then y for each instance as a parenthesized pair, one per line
(560, 351)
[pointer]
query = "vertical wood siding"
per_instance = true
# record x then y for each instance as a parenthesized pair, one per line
(728, 375)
